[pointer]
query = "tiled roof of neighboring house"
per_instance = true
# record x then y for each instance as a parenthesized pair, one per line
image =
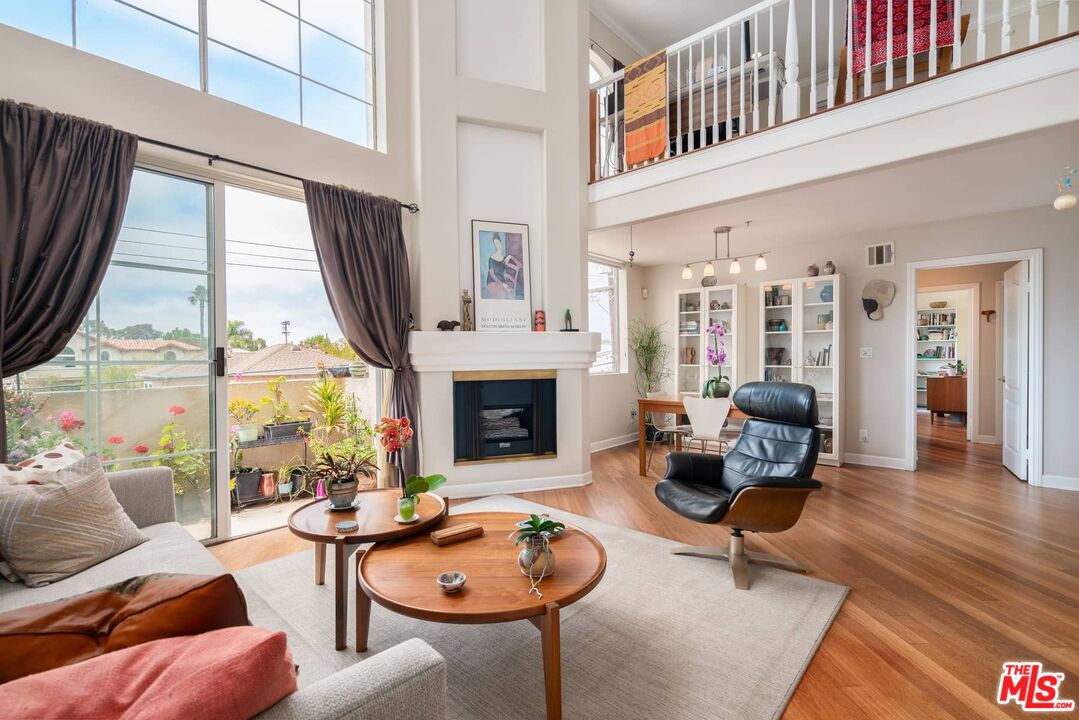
(283, 359)
(121, 344)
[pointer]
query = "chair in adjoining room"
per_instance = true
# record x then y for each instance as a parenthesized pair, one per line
(665, 433)
(760, 485)
(708, 422)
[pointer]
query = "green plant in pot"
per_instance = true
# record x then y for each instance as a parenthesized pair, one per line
(243, 412)
(536, 559)
(410, 495)
(651, 354)
(716, 355)
(340, 476)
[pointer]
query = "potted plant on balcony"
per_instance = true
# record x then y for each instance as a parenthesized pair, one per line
(290, 476)
(651, 353)
(243, 411)
(340, 475)
(282, 424)
(243, 481)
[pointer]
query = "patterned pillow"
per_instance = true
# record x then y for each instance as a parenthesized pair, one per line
(40, 467)
(63, 525)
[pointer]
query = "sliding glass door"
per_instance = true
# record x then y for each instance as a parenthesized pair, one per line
(136, 384)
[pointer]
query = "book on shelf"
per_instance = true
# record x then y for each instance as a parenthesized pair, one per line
(930, 317)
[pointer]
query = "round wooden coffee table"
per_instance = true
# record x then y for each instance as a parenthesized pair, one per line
(401, 577)
(317, 523)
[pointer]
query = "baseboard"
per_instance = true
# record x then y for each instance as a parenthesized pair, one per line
(875, 461)
(987, 439)
(614, 442)
(496, 487)
(1060, 482)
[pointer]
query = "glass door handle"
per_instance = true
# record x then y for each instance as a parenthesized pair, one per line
(219, 361)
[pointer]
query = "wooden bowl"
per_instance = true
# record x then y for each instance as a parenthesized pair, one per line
(938, 304)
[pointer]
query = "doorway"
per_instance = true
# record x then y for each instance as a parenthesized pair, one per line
(974, 360)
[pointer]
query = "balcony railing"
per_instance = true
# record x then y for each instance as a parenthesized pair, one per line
(747, 73)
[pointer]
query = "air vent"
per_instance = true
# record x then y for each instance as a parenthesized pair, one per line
(878, 255)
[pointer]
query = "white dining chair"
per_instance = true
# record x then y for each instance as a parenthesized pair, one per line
(708, 418)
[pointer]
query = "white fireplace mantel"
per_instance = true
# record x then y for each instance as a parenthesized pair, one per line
(435, 351)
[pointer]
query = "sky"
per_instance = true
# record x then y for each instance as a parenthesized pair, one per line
(241, 34)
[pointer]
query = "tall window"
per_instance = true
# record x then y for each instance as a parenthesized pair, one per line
(308, 62)
(606, 314)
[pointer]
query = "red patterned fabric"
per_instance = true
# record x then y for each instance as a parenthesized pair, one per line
(879, 34)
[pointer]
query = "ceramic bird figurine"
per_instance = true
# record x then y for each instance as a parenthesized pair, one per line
(447, 325)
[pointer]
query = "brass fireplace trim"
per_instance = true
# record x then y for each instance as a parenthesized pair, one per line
(480, 375)
(507, 458)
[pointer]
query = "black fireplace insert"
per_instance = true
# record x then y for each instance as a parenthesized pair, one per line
(503, 418)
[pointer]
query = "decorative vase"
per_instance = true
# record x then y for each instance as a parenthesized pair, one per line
(341, 494)
(829, 268)
(406, 507)
(248, 432)
(826, 293)
(536, 559)
(717, 387)
(813, 270)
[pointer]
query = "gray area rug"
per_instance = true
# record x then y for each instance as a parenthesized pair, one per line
(661, 637)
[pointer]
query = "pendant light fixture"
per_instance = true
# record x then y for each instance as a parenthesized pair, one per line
(631, 253)
(709, 270)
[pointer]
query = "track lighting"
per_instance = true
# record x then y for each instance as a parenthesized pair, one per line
(687, 272)
(736, 267)
(760, 264)
(709, 269)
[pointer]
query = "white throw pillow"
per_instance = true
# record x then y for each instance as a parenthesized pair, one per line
(40, 467)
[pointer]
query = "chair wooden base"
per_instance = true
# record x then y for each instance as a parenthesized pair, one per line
(739, 558)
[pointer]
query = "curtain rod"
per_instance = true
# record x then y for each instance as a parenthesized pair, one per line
(412, 208)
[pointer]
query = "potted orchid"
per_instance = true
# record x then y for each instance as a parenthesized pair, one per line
(716, 355)
(394, 434)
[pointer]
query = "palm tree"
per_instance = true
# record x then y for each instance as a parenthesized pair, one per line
(240, 336)
(200, 297)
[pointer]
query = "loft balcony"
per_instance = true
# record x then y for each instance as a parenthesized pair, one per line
(775, 95)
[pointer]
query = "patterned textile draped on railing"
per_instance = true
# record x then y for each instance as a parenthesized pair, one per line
(879, 20)
(646, 109)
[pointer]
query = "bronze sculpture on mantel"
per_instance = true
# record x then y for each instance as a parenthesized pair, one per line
(466, 312)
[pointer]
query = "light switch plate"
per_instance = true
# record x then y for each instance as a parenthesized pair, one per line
(866, 352)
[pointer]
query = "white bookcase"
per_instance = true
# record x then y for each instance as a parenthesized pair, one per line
(938, 343)
(695, 311)
(801, 337)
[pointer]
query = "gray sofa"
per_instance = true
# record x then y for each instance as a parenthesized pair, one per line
(405, 682)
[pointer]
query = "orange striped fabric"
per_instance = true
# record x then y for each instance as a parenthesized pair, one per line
(646, 108)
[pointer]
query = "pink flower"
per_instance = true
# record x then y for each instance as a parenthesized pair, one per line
(177, 410)
(238, 376)
(115, 440)
(141, 449)
(68, 421)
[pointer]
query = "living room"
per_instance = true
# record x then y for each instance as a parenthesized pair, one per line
(447, 286)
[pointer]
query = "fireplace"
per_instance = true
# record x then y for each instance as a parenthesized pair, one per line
(501, 416)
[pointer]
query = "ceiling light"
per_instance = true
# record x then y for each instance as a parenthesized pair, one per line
(687, 272)
(709, 269)
(760, 263)
(736, 268)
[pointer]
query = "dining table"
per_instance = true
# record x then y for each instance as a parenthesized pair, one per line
(670, 405)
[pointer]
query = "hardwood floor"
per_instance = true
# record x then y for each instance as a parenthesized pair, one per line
(954, 569)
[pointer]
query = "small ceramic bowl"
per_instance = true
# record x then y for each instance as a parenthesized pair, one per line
(451, 581)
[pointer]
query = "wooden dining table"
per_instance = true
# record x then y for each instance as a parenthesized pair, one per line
(664, 404)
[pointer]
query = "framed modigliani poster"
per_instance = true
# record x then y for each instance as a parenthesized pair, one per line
(501, 276)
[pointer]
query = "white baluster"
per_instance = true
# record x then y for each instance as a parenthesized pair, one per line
(850, 51)
(771, 67)
(1062, 19)
(704, 140)
(812, 56)
(620, 125)
(1034, 22)
(981, 30)
(728, 62)
(1006, 27)
(831, 53)
(715, 86)
(742, 82)
(792, 93)
(910, 41)
(957, 33)
(756, 97)
(933, 38)
(679, 142)
(599, 148)
(888, 51)
(689, 106)
(867, 75)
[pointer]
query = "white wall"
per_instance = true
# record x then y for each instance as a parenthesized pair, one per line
(875, 388)
(611, 42)
(501, 41)
(613, 397)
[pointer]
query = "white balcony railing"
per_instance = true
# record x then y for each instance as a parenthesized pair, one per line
(781, 59)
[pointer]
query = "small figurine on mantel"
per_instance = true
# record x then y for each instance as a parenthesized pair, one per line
(466, 312)
(568, 324)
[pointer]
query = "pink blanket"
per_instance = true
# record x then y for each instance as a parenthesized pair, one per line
(879, 29)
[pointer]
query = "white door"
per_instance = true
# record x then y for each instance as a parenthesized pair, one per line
(1015, 331)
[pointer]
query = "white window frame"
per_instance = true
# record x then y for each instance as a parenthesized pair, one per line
(619, 319)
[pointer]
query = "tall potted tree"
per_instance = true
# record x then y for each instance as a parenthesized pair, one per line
(651, 353)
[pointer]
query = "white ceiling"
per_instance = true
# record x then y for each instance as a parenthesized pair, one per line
(648, 25)
(1007, 175)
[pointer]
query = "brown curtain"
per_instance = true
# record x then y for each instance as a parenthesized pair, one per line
(63, 189)
(364, 264)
